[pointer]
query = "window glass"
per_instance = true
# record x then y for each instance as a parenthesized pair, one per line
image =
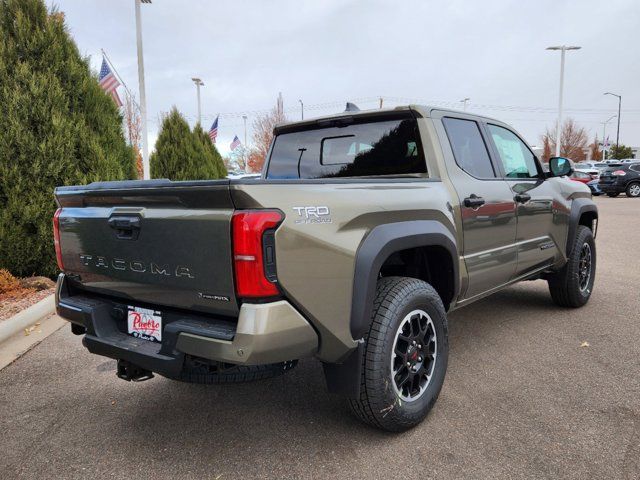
(635, 167)
(468, 147)
(516, 158)
(368, 148)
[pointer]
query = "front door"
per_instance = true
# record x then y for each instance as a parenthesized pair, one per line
(539, 237)
(487, 208)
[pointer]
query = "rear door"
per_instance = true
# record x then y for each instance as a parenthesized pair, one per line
(539, 237)
(486, 205)
(155, 242)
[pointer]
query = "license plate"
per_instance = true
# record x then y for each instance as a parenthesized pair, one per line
(144, 323)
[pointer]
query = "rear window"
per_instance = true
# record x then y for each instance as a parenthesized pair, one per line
(350, 147)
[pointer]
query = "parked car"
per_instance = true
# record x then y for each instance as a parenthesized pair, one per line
(591, 166)
(595, 189)
(351, 248)
(582, 177)
(622, 178)
(594, 173)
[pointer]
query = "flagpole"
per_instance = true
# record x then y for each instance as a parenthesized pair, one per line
(146, 173)
(113, 69)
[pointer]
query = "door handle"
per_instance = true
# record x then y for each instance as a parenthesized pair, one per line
(473, 201)
(126, 227)
(522, 197)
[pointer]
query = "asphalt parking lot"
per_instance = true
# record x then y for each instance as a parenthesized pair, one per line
(522, 398)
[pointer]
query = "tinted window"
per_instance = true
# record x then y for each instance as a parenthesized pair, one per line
(635, 167)
(468, 147)
(518, 161)
(369, 148)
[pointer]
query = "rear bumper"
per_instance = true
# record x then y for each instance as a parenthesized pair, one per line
(264, 333)
(611, 187)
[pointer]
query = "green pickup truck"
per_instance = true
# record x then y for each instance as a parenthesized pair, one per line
(363, 231)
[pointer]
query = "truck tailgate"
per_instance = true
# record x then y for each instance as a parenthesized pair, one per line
(158, 242)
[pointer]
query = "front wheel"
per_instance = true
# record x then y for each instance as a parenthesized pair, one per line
(613, 194)
(572, 285)
(406, 355)
(633, 190)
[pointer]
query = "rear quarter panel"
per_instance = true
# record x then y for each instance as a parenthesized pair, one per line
(315, 255)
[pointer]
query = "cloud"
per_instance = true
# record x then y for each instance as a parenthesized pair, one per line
(330, 51)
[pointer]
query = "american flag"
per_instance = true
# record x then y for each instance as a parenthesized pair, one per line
(109, 82)
(236, 143)
(213, 131)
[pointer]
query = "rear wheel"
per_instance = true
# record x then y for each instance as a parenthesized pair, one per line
(633, 190)
(572, 285)
(196, 370)
(405, 357)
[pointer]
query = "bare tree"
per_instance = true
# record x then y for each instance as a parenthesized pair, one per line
(596, 154)
(262, 137)
(133, 131)
(547, 151)
(573, 141)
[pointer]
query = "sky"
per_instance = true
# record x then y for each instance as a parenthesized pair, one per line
(327, 52)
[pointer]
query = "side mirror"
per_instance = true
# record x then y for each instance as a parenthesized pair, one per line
(559, 167)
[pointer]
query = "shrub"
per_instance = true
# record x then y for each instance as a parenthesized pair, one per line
(181, 154)
(213, 156)
(8, 282)
(57, 127)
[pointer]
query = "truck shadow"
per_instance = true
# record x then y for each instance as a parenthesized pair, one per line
(264, 419)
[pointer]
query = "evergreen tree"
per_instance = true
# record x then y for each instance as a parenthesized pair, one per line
(212, 152)
(57, 127)
(181, 154)
(620, 152)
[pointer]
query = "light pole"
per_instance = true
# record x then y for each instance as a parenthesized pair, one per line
(563, 49)
(244, 146)
(199, 83)
(619, 105)
(464, 103)
(146, 172)
(604, 130)
(301, 110)
(244, 118)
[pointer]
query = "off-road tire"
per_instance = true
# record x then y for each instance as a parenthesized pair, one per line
(613, 194)
(379, 404)
(633, 190)
(564, 285)
(200, 371)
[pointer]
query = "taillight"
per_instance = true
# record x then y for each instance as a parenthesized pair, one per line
(619, 173)
(254, 252)
(56, 238)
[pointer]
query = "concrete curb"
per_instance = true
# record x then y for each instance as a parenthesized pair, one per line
(27, 317)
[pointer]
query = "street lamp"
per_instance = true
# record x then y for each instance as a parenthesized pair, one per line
(618, 130)
(199, 83)
(244, 147)
(604, 130)
(563, 49)
(146, 172)
(464, 103)
(301, 110)
(244, 118)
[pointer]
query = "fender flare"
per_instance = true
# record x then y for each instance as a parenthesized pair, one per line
(381, 242)
(579, 206)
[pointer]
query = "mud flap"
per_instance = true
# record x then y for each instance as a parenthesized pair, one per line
(344, 378)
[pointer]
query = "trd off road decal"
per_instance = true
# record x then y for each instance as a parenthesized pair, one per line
(313, 214)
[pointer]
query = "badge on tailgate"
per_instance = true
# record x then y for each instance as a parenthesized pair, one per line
(144, 323)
